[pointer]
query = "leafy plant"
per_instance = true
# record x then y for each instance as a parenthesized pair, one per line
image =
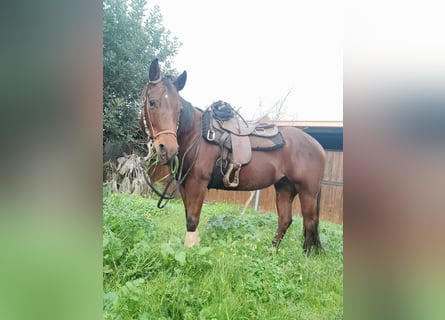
(233, 274)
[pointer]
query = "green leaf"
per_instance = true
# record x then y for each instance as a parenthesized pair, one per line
(133, 289)
(166, 250)
(204, 250)
(110, 299)
(180, 257)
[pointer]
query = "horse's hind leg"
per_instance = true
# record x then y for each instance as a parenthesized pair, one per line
(285, 194)
(309, 209)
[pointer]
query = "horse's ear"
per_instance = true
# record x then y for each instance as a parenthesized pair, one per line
(180, 81)
(155, 72)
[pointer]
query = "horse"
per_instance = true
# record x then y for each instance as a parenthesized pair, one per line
(174, 127)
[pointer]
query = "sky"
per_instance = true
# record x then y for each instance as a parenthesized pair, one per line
(253, 54)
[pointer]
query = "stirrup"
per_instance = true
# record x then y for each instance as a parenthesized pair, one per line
(226, 178)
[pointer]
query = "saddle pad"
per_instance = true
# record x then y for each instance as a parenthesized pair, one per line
(267, 143)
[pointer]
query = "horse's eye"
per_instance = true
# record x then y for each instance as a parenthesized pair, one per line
(152, 103)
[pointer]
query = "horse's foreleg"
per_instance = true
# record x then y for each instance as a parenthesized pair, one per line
(285, 195)
(193, 196)
(310, 221)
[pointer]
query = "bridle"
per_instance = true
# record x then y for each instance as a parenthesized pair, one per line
(181, 177)
(146, 117)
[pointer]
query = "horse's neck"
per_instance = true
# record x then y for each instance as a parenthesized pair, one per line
(187, 137)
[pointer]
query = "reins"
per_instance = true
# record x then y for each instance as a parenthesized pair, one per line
(181, 177)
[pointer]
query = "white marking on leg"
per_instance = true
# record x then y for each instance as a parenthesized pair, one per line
(191, 239)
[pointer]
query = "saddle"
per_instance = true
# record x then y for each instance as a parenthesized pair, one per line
(237, 138)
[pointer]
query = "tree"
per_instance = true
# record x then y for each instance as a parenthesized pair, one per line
(131, 40)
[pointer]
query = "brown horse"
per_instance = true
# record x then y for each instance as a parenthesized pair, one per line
(174, 126)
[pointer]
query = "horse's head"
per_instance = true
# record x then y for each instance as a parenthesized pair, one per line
(161, 110)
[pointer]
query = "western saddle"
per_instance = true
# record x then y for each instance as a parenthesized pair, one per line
(224, 126)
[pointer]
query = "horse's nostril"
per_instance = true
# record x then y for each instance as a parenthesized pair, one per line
(161, 146)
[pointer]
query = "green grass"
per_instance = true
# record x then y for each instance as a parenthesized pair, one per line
(233, 274)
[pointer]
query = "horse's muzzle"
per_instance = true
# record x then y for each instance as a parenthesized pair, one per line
(165, 153)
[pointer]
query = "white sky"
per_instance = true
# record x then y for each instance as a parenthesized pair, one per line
(252, 53)
(395, 39)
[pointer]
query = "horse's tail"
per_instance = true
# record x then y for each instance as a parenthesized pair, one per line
(317, 236)
(318, 204)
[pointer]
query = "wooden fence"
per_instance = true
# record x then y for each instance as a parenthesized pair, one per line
(331, 204)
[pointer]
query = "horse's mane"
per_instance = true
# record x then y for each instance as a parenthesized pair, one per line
(187, 116)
